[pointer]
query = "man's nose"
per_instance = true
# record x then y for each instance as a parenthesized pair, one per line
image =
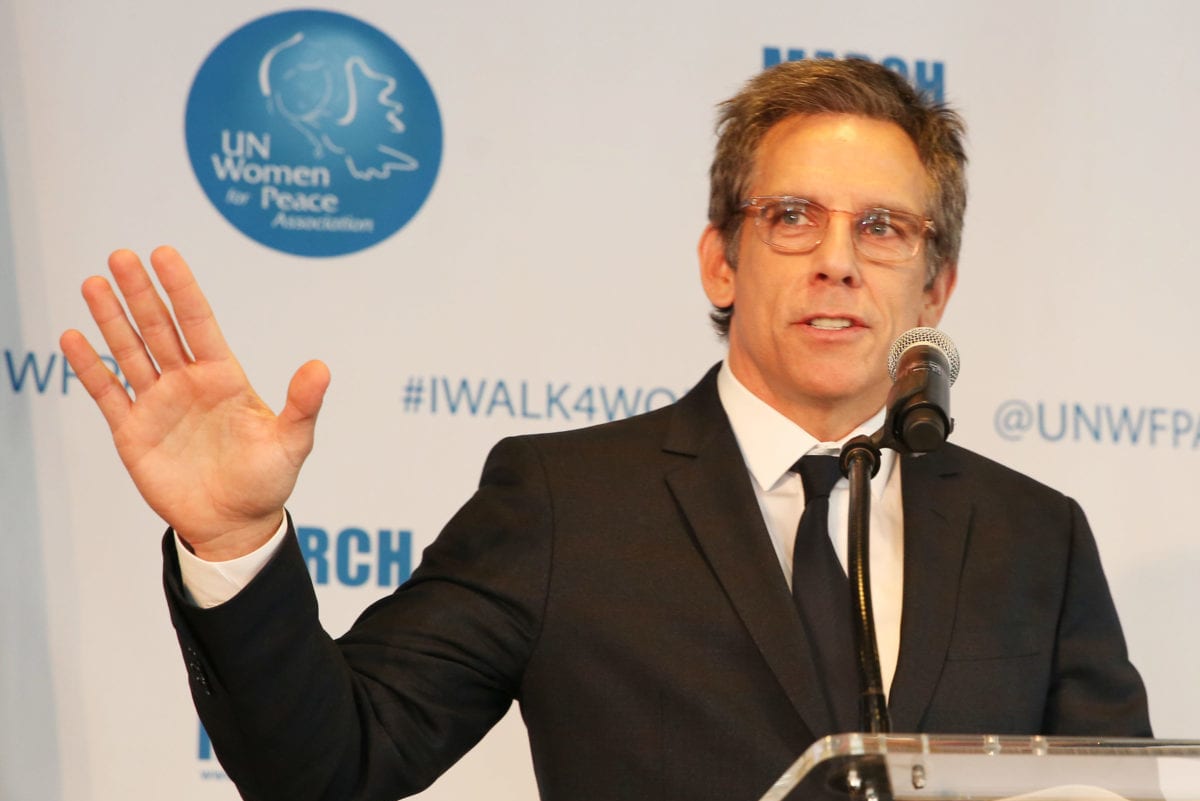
(836, 258)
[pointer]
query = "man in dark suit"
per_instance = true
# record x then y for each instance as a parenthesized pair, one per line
(628, 584)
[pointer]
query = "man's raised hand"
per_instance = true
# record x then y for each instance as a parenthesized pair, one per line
(204, 450)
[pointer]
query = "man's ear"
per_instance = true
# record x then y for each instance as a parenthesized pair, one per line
(937, 295)
(716, 274)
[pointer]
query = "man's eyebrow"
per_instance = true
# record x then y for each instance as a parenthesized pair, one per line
(890, 205)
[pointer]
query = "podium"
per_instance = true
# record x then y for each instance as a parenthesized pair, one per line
(899, 767)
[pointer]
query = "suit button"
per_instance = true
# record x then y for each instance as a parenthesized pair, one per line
(198, 676)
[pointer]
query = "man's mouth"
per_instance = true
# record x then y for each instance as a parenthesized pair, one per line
(830, 323)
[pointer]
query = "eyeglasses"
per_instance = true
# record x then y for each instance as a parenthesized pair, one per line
(796, 225)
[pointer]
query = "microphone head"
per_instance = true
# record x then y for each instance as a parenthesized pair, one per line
(924, 336)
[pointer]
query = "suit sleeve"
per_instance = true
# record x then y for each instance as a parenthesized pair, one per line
(416, 682)
(1096, 690)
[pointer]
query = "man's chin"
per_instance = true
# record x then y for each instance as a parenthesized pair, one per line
(833, 394)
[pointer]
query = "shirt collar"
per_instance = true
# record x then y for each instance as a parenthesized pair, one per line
(771, 443)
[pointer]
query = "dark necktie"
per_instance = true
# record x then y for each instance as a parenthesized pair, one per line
(822, 593)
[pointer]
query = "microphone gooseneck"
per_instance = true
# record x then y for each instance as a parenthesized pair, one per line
(923, 363)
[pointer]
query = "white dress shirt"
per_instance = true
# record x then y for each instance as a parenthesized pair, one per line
(770, 445)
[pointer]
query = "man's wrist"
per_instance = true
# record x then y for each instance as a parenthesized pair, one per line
(211, 582)
(235, 543)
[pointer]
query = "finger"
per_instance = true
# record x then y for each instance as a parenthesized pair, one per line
(195, 316)
(306, 393)
(154, 322)
(105, 388)
(123, 341)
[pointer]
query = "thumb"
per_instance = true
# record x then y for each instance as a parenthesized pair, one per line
(306, 392)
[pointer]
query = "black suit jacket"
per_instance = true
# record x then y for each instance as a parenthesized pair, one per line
(620, 584)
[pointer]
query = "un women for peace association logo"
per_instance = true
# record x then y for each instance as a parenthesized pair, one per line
(313, 133)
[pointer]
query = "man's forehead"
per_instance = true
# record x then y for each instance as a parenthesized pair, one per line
(843, 157)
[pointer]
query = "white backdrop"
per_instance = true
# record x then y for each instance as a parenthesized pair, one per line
(557, 248)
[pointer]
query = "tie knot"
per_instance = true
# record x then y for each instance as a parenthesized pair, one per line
(818, 474)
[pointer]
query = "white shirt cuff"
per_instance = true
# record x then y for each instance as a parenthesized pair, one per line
(208, 584)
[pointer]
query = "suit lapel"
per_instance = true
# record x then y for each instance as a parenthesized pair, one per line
(714, 492)
(937, 515)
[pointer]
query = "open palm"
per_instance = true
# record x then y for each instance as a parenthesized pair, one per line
(203, 449)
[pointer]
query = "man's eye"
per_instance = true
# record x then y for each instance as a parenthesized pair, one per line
(879, 225)
(792, 216)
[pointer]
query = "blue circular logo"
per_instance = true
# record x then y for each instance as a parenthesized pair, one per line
(313, 133)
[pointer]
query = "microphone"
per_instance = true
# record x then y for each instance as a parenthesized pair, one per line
(924, 364)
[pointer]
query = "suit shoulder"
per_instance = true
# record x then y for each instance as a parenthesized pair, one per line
(627, 435)
(987, 472)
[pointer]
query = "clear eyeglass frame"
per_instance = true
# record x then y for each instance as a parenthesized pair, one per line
(798, 225)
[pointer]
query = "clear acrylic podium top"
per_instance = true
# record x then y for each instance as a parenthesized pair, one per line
(944, 767)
